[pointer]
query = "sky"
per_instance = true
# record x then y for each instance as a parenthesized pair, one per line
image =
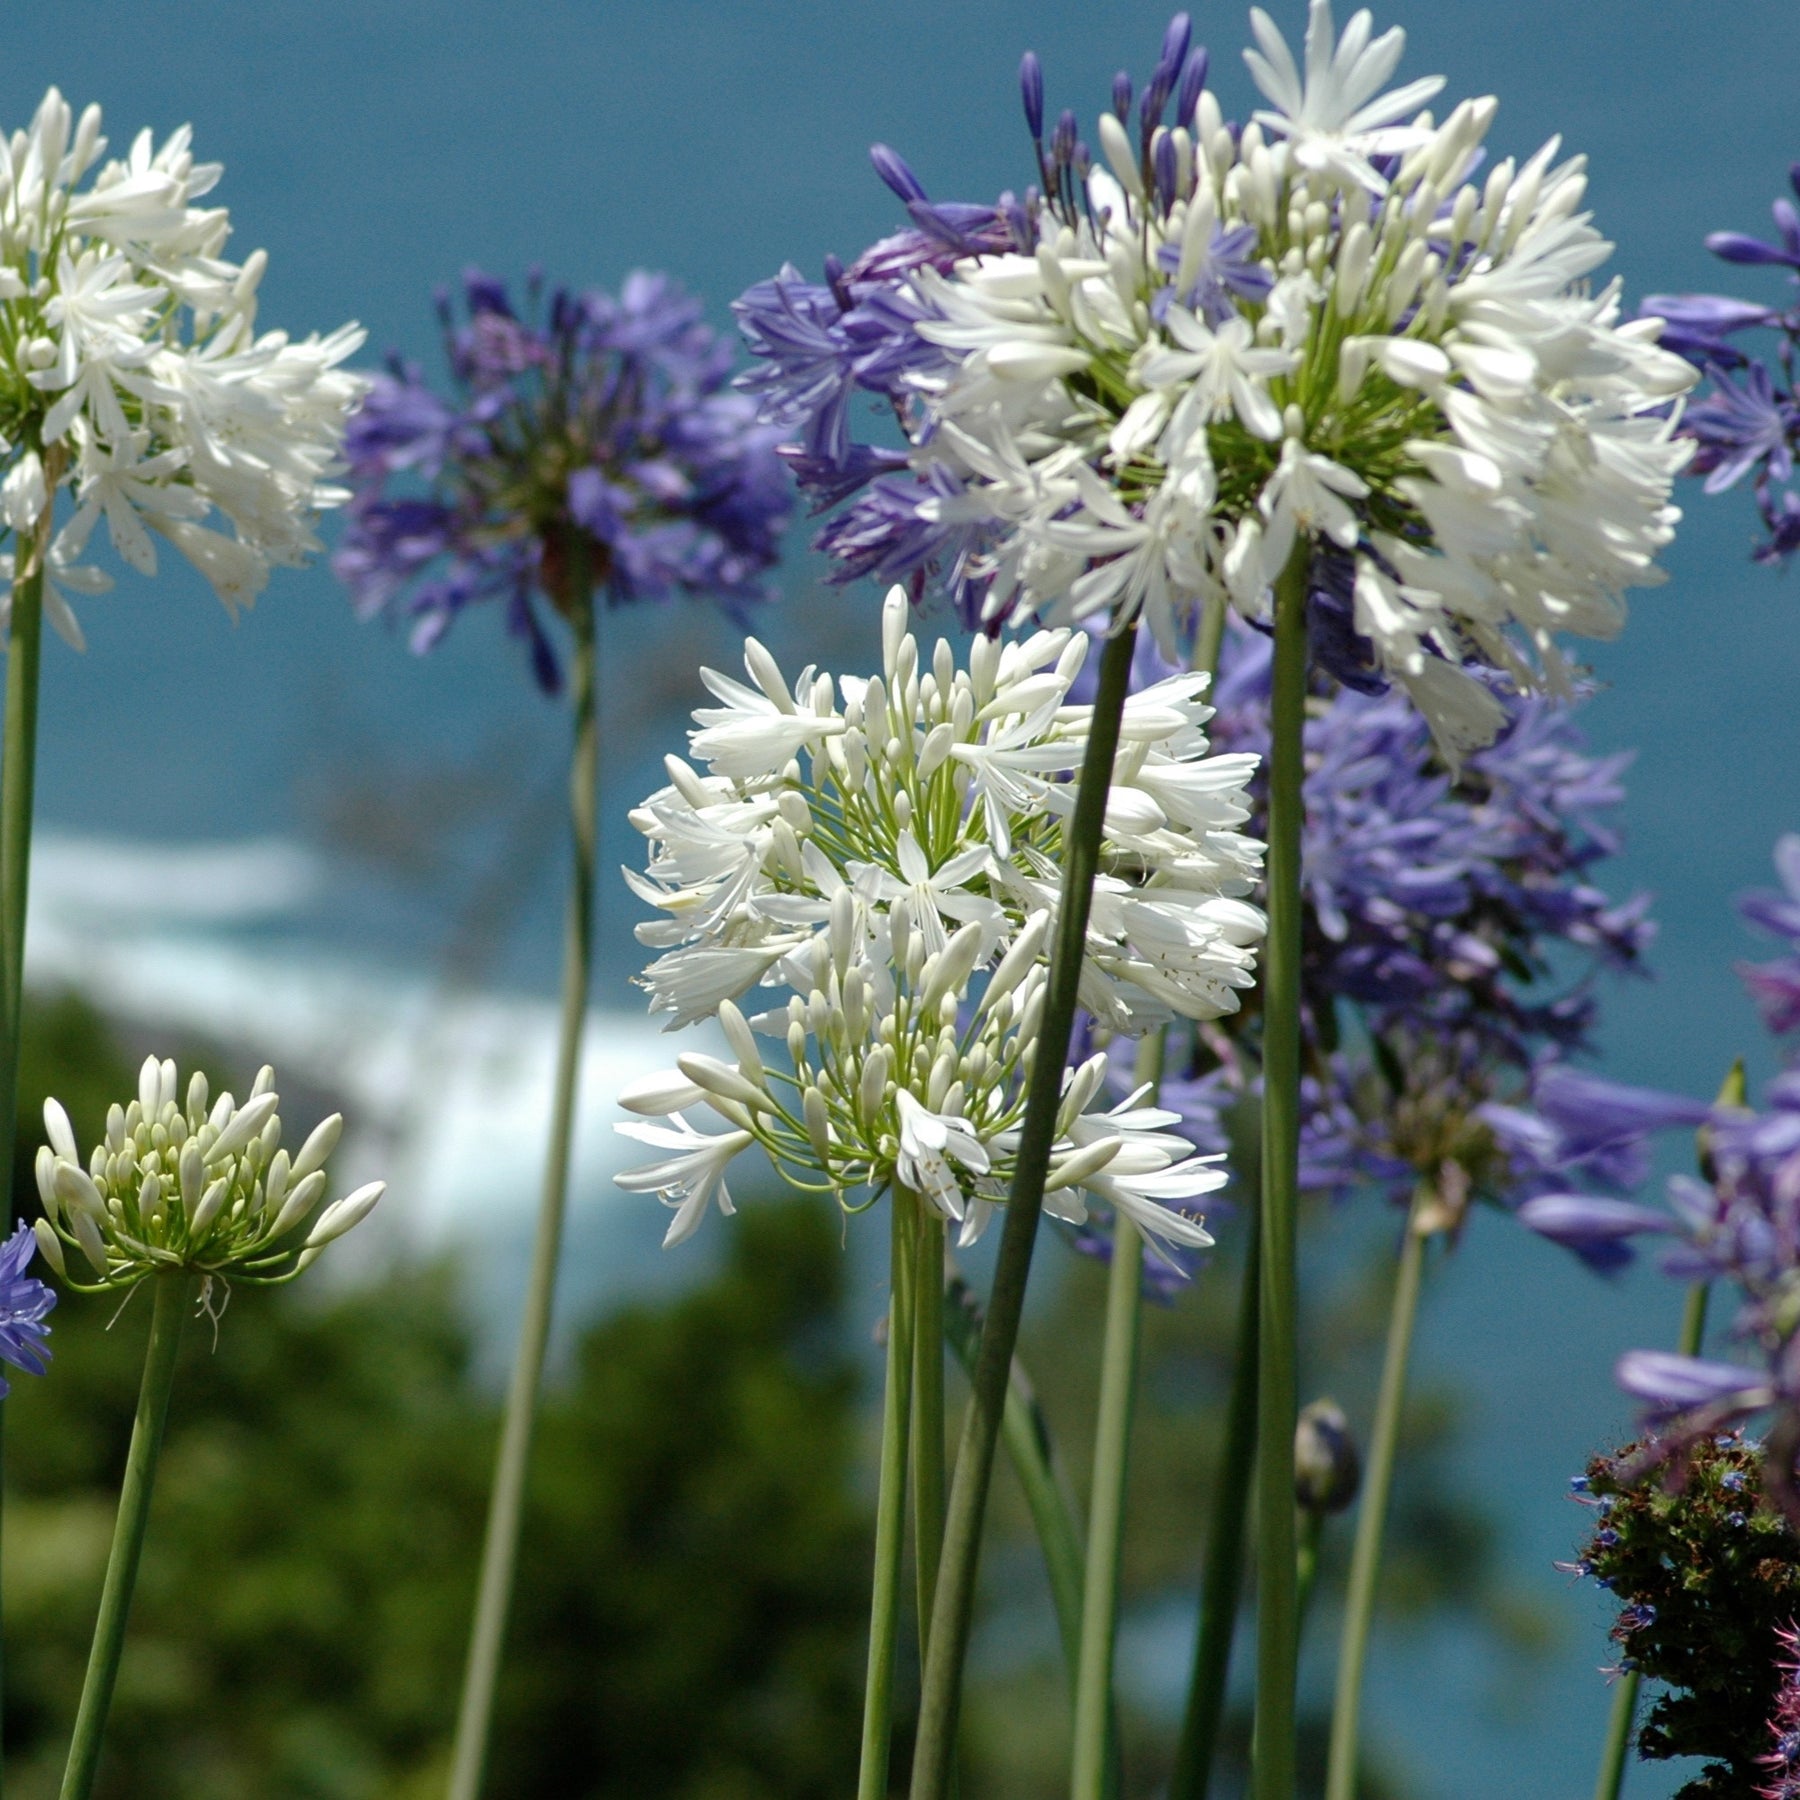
(377, 148)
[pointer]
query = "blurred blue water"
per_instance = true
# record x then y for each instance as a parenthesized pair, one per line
(377, 147)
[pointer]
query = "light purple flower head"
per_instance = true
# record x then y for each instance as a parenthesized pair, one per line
(593, 448)
(25, 1302)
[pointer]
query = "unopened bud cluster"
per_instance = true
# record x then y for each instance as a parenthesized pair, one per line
(889, 851)
(203, 1187)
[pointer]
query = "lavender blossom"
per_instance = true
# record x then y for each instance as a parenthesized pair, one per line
(24, 1302)
(1748, 421)
(598, 449)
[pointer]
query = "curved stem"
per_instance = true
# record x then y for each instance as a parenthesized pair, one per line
(499, 1553)
(928, 1409)
(1277, 1624)
(1106, 1511)
(1223, 1584)
(128, 1533)
(1371, 1517)
(954, 1605)
(1613, 1752)
(890, 1504)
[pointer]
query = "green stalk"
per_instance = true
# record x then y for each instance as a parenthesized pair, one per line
(928, 1409)
(1306, 1563)
(1223, 1584)
(1277, 1622)
(1032, 1453)
(1106, 1511)
(18, 787)
(1625, 1695)
(955, 1600)
(500, 1548)
(1371, 1518)
(890, 1502)
(171, 1291)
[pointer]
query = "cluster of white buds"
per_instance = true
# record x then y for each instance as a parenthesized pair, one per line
(889, 851)
(206, 1188)
(132, 370)
(1321, 328)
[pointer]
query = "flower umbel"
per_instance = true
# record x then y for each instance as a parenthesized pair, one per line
(889, 851)
(207, 1189)
(1139, 386)
(132, 371)
(599, 449)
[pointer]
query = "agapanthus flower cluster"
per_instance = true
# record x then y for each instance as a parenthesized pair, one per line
(1748, 420)
(131, 371)
(595, 449)
(25, 1303)
(1707, 1586)
(1452, 927)
(1741, 1225)
(889, 852)
(1140, 386)
(203, 1186)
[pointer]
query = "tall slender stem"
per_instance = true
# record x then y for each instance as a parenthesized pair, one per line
(1625, 1696)
(1277, 1624)
(955, 1600)
(1222, 1585)
(1371, 1517)
(499, 1553)
(18, 787)
(171, 1296)
(890, 1500)
(1106, 1511)
(928, 1410)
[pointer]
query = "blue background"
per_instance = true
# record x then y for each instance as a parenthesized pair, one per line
(375, 149)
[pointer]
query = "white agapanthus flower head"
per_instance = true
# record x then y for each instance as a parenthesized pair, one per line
(888, 853)
(189, 1183)
(132, 371)
(1329, 329)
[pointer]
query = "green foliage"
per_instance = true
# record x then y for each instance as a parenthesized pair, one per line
(1707, 1574)
(690, 1621)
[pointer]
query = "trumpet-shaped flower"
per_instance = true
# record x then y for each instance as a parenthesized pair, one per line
(897, 860)
(179, 1184)
(134, 373)
(25, 1302)
(1187, 351)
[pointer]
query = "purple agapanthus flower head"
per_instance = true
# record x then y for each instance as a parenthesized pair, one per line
(25, 1302)
(1747, 423)
(592, 445)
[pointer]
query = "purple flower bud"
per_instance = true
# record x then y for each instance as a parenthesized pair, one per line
(892, 169)
(1031, 91)
(1598, 1230)
(1121, 97)
(1735, 247)
(1193, 79)
(1062, 144)
(1165, 170)
(1673, 1383)
(1176, 38)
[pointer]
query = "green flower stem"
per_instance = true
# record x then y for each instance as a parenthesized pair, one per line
(890, 1502)
(1306, 1561)
(1210, 639)
(928, 1408)
(1371, 1517)
(954, 1606)
(1106, 1511)
(1032, 1452)
(1625, 1696)
(171, 1296)
(1106, 1495)
(499, 1553)
(18, 787)
(1277, 1624)
(1223, 1584)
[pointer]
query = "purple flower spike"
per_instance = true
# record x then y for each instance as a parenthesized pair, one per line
(25, 1302)
(1031, 91)
(597, 442)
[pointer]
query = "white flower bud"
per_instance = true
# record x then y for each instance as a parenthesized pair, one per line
(344, 1215)
(211, 1202)
(320, 1142)
(50, 1245)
